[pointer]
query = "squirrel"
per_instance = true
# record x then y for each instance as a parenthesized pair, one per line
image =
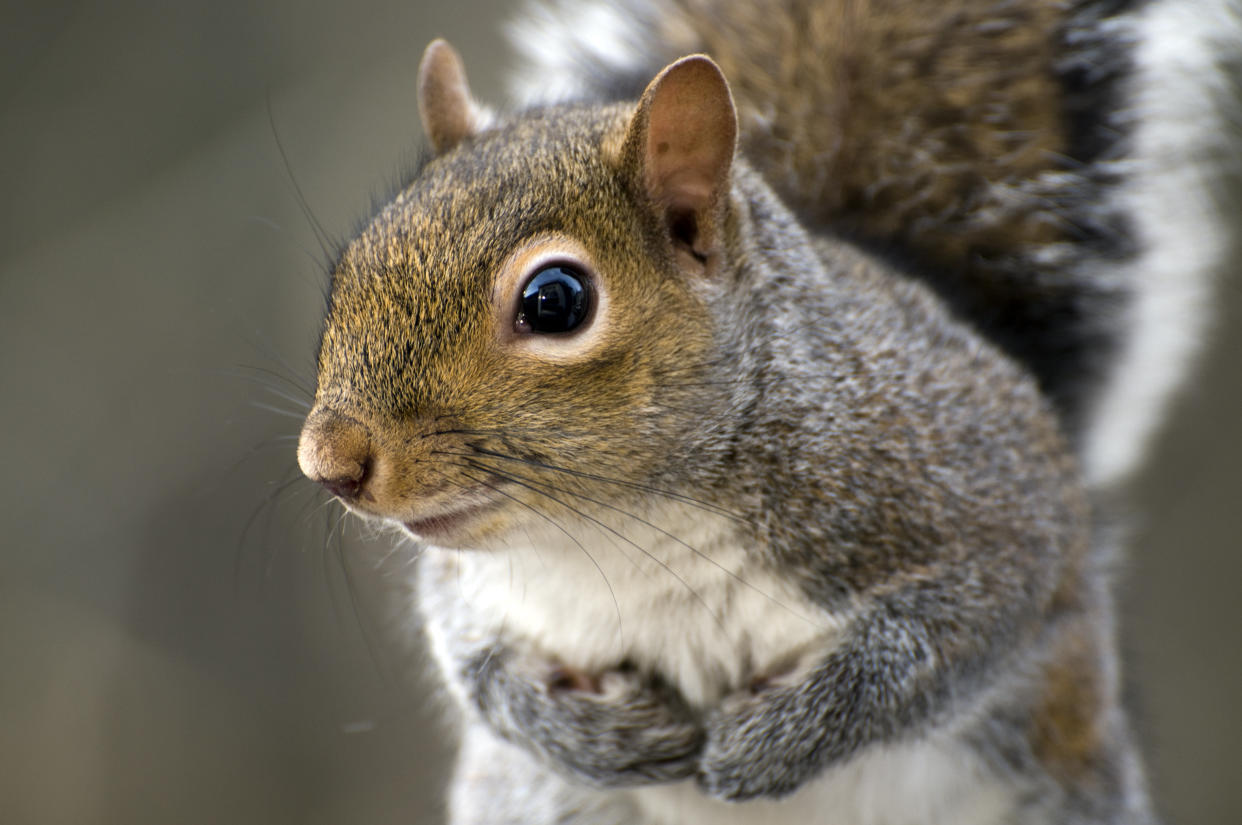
(755, 390)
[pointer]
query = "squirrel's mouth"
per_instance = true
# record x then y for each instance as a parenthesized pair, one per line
(439, 526)
(470, 504)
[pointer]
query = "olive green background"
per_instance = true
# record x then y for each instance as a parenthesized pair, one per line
(189, 633)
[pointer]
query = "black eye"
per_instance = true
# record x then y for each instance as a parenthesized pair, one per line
(556, 299)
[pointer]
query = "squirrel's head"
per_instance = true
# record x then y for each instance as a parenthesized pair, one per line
(523, 326)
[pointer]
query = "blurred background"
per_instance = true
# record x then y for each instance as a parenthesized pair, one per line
(188, 632)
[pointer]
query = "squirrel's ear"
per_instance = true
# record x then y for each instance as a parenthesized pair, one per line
(448, 112)
(680, 142)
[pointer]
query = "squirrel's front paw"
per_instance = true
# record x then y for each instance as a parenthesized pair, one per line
(755, 746)
(613, 729)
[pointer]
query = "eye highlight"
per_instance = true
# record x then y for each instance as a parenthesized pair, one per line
(556, 299)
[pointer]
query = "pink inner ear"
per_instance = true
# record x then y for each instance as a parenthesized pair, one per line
(691, 133)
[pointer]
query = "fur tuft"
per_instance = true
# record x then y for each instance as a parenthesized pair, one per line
(595, 44)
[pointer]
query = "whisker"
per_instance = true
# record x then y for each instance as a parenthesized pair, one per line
(321, 235)
(504, 619)
(616, 604)
(266, 507)
(325, 557)
(300, 403)
(634, 485)
(272, 408)
(268, 443)
(364, 621)
(699, 553)
(392, 551)
(270, 386)
(265, 375)
(601, 525)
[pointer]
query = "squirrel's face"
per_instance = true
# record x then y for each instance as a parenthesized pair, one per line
(519, 327)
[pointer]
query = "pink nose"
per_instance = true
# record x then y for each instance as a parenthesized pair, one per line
(335, 450)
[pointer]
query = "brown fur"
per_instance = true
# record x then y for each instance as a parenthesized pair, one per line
(858, 440)
(1067, 727)
(930, 123)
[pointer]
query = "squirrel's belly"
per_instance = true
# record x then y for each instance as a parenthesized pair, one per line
(696, 610)
(933, 780)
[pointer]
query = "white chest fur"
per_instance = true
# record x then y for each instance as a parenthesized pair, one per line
(684, 601)
(706, 615)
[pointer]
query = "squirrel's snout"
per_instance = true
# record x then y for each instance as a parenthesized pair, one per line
(335, 451)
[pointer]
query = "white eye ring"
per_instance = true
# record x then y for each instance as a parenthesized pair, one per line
(517, 332)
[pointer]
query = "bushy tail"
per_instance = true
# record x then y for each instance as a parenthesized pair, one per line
(1047, 167)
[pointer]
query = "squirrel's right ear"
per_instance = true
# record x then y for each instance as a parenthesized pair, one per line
(680, 144)
(448, 111)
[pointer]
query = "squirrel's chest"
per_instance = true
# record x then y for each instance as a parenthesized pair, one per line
(689, 603)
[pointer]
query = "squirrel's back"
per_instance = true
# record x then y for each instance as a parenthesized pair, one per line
(1013, 155)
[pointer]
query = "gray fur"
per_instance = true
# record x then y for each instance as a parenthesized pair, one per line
(921, 653)
(892, 443)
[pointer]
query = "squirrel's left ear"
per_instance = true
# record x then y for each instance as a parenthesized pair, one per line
(448, 111)
(680, 142)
